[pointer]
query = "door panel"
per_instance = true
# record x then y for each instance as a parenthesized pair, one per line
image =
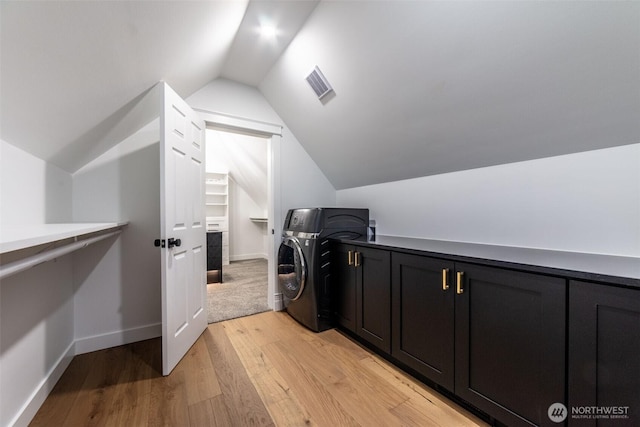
(604, 344)
(510, 343)
(182, 218)
(197, 197)
(373, 278)
(423, 318)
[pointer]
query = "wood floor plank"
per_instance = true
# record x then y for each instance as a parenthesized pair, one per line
(200, 376)
(422, 399)
(323, 407)
(357, 381)
(92, 406)
(284, 322)
(168, 401)
(220, 405)
(201, 414)
(134, 385)
(211, 412)
(56, 407)
(245, 341)
(246, 407)
(262, 370)
(282, 404)
(321, 363)
(341, 341)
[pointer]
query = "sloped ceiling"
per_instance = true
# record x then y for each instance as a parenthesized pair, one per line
(70, 70)
(424, 88)
(421, 87)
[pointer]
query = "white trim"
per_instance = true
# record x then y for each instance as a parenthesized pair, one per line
(41, 392)
(274, 222)
(232, 123)
(117, 338)
(246, 257)
(278, 304)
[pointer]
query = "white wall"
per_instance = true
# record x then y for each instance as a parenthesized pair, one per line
(302, 183)
(247, 239)
(36, 306)
(32, 191)
(584, 202)
(117, 296)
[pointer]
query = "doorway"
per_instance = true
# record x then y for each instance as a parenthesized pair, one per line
(237, 205)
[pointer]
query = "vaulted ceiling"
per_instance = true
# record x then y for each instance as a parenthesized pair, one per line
(420, 87)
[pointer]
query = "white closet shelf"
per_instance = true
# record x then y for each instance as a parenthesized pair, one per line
(24, 247)
(13, 238)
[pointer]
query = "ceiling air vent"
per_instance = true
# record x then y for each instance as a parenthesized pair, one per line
(319, 83)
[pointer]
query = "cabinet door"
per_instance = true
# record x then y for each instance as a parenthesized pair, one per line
(344, 286)
(510, 343)
(422, 315)
(373, 303)
(214, 251)
(604, 351)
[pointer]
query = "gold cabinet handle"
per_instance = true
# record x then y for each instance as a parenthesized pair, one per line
(350, 257)
(357, 257)
(459, 278)
(445, 277)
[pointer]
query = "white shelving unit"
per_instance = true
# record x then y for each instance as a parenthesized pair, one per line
(217, 208)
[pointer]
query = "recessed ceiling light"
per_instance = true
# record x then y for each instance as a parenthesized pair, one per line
(268, 31)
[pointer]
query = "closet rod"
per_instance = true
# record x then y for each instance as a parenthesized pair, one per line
(29, 262)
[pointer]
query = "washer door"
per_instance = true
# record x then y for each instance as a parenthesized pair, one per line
(292, 269)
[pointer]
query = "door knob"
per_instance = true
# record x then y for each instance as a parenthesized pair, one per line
(173, 242)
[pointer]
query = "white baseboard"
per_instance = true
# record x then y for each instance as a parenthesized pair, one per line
(245, 257)
(114, 339)
(35, 401)
(278, 303)
(79, 346)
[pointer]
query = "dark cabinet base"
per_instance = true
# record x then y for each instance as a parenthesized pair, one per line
(510, 343)
(214, 254)
(505, 342)
(604, 353)
(373, 297)
(422, 316)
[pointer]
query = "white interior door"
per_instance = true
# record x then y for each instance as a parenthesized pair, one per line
(182, 216)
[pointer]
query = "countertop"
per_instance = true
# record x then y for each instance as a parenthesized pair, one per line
(618, 270)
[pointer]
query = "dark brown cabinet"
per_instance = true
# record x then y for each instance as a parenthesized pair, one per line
(604, 354)
(508, 339)
(494, 337)
(423, 316)
(344, 286)
(363, 293)
(510, 342)
(373, 296)
(214, 252)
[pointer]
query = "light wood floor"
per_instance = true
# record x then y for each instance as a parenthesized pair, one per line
(261, 370)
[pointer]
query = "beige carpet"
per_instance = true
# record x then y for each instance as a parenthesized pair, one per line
(243, 291)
